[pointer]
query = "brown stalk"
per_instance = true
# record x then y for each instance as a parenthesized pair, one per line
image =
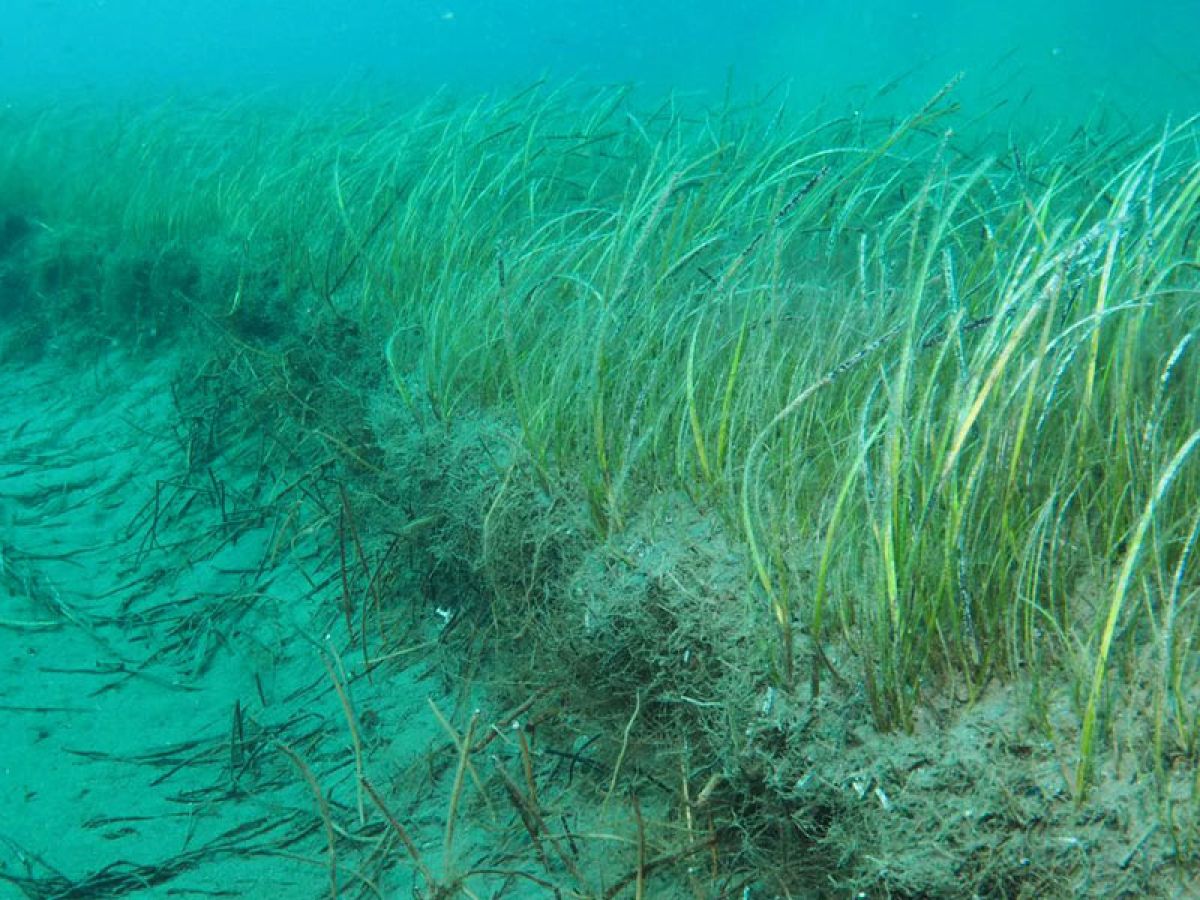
(658, 862)
(355, 739)
(458, 745)
(347, 602)
(527, 767)
(464, 760)
(402, 833)
(640, 889)
(373, 590)
(507, 719)
(323, 808)
(347, 517)
(531, 818)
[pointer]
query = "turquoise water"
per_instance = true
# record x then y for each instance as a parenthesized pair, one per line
(1057, 59)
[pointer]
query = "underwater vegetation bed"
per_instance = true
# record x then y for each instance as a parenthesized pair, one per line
(806, 457)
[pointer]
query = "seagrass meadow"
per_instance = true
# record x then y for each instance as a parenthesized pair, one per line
(825, 485)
